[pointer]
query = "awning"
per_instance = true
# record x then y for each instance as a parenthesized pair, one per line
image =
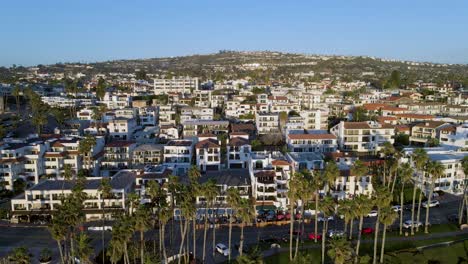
(265, 207)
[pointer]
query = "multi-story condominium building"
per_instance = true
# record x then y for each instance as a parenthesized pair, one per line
(58, 101)
(426, 108)
(147, 116)
(453, 181)
(422, 132)
(166, 115)
(315, 118)
(62, 152)
(411, 118)
(117, 155)
(42, 199)
(366, 136)
(179, 85)
(284, 107)
(454, 136)
(116, 101)
(194, 127)
(11, 163)
(122, 128)
(159, 173)
(208, 153)
(147, 154)
(203, 98)
(85, 114)
(310, 99)
(311, 142)
(196, 113)
(178, 155)
(269, 173)
(237, 109)
(305, 160)
(168, 132)
(238, 150)
(267, 123)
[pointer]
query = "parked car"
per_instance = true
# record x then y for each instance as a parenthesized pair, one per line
(367, 231)
(322, 218)
(280, 217)
(287, 216)
(434, 203)
(297, 216)
(408, 223)
(372, 213)
(335, 233)
(396, 208)
(270, 216)
(313, 236)
(222, 249)
(100, 228)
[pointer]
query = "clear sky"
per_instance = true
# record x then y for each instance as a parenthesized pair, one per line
(43, 32)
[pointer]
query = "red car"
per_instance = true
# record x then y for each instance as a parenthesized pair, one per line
(297, 216)
(367, 231)
(280, 217)
(288, 216)
(312, 236)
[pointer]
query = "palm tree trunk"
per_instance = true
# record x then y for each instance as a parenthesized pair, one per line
(462, 205)
(401, 209)
(419, 211)
(324, 232)
(412, 208)
(194, 232)
(142, 247)
(241, 243)
(127, 258)
(229, 243)
(204, 235)
(59, 244)
(298, 237)
(214, 235)
(291, 227)
(358, 244)
(316, 214)
(351, 223)
(183, 240)
(72, 248)
(382, 250)
(376, 236)
(164, 242)
(428, 207)
(160, 235)
(394, 181)
(102, 235)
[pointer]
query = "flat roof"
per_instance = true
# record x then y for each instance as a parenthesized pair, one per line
(230, 177)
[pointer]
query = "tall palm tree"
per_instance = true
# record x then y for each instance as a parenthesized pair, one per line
(464, 163)
(105, 190)
(83, 249)
(303, 184)
(187, 207)
(406, 173)
(340, 250)
(164, 216)
(173, 186)
(387, 151)
(420, 158)
(362, 207)
(316, 185)
(246, 212)
(435, 170)
(387, 217)
(327, 207)
(358, 170)
(345, 209)
(58, 231)
(141, 220)
(330, 173)
(293, 191)
(233, 200)
(158, 196)
(382, 198)
(209, 191)
(85, 148)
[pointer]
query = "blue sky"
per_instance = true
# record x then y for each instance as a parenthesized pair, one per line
(44, 32)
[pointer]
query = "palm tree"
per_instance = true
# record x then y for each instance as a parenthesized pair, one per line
(330, 173)
(187, 208)
(358, 170)
(142, 223)
(85, 148)
(158, 200)
(301, 184)
(435, 170)
(327, 207)
(292, 195)
(382, 198)
(233, 200)
(246, 211)
(58, 231)
(20, 255)
(420, 159)
(464, 163)
(16, 92)
(345, 208)
(209, 191)
(164, 216)
(340, 250)
(362, 207)
(406, 173)
(387, 150)
(105, 190)
(173, 186)
(83, 249)
(387, 217)
(316, 186)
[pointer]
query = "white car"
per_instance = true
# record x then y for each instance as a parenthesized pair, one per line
(335, 233)
(100, 228)
(407, 224)
(222, 249)
(372, 213)
(396, 208)
(322, 218)
(434, 203)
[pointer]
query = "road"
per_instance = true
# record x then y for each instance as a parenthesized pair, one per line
(36, 238)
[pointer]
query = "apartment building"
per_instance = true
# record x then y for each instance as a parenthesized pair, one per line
(117, 155)
(62, 152)
(422, 132)
(117, 101)
(208, 153)
(454, 136)
(366, 136)
(178, 155)
(196, 113)
(315, 118)
(121, 128)
(42, 199)
(147, 116)
(267, 123)
(166, 115)
(238, 150)
(168, 132)
(85, 114)
(147, 154)
(192, 128)
(311, 142)
(176, 84)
